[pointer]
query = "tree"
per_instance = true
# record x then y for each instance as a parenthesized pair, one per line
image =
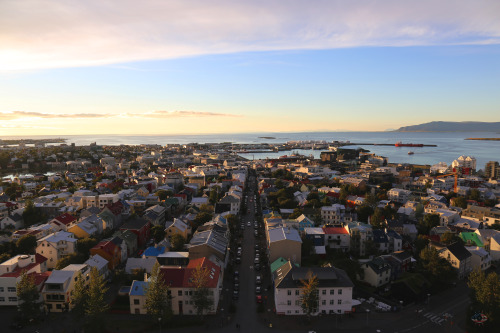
(26, 244)
(177, 242)
(430, 221)
(30, 214)
(460, 202)
(207, 208)
(485, 294)
(309, 297)
(201, 296)
(79, 297)
(364, 211)
(438, 269)
(95, 305)
(72, 258)
(296, 213)
(158, 233)
(214, 195)
(202, 217)
(162, 194)
(475, 194)
(157, 296)
(232, 222)
(84, 245)
(449, 237)
(28, 296)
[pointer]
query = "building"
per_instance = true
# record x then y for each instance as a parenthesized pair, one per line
(334, 289)
(337, 238)
(398, 195)
(140, 227)
(458, 256)
(286, 243)
(12, 270)
(56, 246)
(377, 272)
(492, 170)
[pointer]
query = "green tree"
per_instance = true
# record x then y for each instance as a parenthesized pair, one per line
(363, 212)
(158, 300)
(438, 269)
(84, 245)
(460, 202)
(485, 295)
(207, 208)
(177, 242)
(232, 222)
(215, 194)
(158, 233)
(449, 237)
(163, 194)
(419, 211)
(309, 297)
(31, 214)
(79, 297)
(73, 258)
(26, 244)
(202, 217)
(96, 305)
(28, 295)
(475, 194)
(428, 222)
(421, 242)
(201, 296)
(296, 213)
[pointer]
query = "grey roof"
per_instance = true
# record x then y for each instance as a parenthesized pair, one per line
(378, 265)
(211, 238)
(279, 234)
(291, 276)
(459, 251)
(379, 236)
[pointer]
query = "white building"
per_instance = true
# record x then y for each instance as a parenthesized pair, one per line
(398, 195)
(334, 289)
(56, 246)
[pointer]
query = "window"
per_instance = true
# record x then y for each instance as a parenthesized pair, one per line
(12, 299)
(339, 301)
(339, 292)
(297, 292)
(323, 292)
(1, 289)
(297, 302)
(323, 302)
(179, 293)
(11, 289)
(136, 302)
(296, 311)
(58, 306)
(332, 291)
(331, 302)
(289, 292)
(186, 293)
(2, 299)
(288, 303)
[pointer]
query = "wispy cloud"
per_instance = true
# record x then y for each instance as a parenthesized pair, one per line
(14, 115)
(49, 34)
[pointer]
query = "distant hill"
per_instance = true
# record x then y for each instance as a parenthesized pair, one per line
(452, 126)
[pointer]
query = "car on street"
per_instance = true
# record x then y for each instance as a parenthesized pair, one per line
(236, 294)
(249, 224)
(259, 298)
(256, 233)
(237, 286)
(258, 290)
(257, 267)
(258, 279)
(238, 259)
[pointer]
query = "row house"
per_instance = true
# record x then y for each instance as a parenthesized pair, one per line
(114, 250)
(334, 289)
(56, 246)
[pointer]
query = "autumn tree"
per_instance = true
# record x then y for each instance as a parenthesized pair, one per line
(158, 299)
(201, 297)
(309, 297)
(485, 295)
(28, 296)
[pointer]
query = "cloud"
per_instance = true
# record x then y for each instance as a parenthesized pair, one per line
(50, 34)
(154, 114)
(26, 114)
(178, 114)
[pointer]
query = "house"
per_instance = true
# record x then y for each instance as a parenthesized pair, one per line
(400, 262)
(179, 280)
(208, 243)
(63, 222)
(395, 240)
(56, 246)
(480, 259)
(109, 250)
(447, 216)
(100, 264)
(14, 221)
(60, 285)
(142, 263)
(89, 226)
(199, 201)
(155, 215)
(130, 240)
(337, 237)
(335, 214)
(172, 258)
(398, 195)
(114, 212)
(458, 256)
(317, 236)
(360, 233)
(471, 239)
(334, 289)
(140, 227)
(284, 242)
(233, 202)
(377, 272)
(381, 240)
(491, 241)
(12, 270)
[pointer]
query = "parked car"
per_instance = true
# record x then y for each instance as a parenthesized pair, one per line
(259, 298)
(258, 280)
(258, 290)
(236, 294)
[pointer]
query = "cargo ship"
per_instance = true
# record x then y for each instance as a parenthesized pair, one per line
(400, 144)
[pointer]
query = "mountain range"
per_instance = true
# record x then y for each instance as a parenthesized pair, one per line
(453, 126)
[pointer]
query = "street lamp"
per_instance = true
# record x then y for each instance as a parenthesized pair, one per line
(367, 312)
(159, 322)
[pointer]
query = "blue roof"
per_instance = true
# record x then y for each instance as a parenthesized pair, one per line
(138, 288)
(154, 251)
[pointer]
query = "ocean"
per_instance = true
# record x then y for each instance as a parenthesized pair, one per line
(450, 145)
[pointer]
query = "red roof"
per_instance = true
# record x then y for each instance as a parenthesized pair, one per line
(39, 259)
(65, 218)
(107, 246)
(179, 277)
(335, 231)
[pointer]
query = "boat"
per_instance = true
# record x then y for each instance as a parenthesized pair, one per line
(400, 144)
(410, 153)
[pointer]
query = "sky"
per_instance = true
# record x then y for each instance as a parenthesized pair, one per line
(196, 66)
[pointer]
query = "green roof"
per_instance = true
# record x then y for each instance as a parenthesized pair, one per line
(471, 238)
(278, 263)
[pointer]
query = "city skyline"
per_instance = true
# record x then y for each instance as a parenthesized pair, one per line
(188, 67)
